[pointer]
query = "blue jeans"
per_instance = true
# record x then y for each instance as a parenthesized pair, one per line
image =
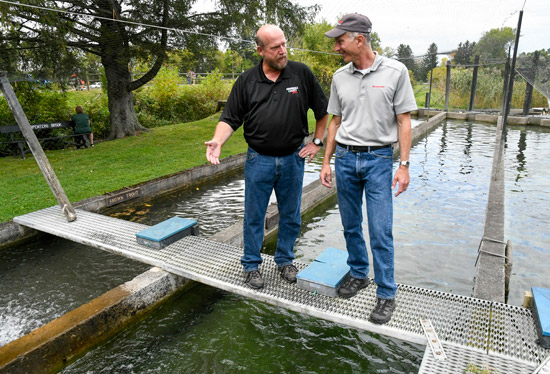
(262, 175)
(369, 173)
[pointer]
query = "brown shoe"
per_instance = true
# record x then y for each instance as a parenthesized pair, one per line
(288, 273)
(383, 310)
(254, 279)
(352, 286)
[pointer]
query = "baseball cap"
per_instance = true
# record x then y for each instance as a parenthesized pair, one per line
(352, 22)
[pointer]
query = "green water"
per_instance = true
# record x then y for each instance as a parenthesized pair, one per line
(210, 331)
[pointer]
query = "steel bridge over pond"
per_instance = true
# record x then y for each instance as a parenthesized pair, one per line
(466, 331)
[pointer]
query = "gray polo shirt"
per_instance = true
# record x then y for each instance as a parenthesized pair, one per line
(369, 103)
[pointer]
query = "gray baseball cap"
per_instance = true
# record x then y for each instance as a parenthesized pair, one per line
(352, 22)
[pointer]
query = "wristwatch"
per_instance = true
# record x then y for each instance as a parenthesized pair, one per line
(318, 142)
(405, 163)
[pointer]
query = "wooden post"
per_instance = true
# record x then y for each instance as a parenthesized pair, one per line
(36, 149)
(474, 84)
(448, 86)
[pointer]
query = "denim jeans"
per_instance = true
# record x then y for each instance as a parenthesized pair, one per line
(369, 173)
(262, 175)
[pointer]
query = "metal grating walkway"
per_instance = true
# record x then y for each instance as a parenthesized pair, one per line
(481, 331)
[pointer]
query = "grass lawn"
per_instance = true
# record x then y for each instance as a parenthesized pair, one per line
(110, 165)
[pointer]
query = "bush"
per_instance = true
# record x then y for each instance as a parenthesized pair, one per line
(169, 100)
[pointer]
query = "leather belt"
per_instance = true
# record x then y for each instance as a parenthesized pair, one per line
(363, 148)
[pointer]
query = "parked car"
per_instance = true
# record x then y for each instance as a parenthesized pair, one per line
(95, 85)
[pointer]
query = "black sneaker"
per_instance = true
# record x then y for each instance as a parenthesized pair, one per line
(352, 286)
(288, 273)
(383, 310)
(254, 279)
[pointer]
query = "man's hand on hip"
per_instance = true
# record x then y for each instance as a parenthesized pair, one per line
(310, 151)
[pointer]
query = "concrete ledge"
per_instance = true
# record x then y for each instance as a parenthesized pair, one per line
(423, 112)
(517, 120)
(545, 122)
(486, 118)
(455, 115)
(54, 345)
(490, 281)
(419, 132)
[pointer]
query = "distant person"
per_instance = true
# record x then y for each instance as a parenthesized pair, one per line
(271, 101)
(189, 76)
(82, 125)
(370, 101)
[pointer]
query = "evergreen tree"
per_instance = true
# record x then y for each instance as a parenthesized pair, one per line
(428, 63)
(405, 55)
(465, 53)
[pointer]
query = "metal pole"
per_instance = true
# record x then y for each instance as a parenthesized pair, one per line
(512, 71)
(474, 84)
(448, 86)
(430, 94)
(505, 85)
(36, 149)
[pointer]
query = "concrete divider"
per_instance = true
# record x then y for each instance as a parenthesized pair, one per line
(490, 280)
(56, 344)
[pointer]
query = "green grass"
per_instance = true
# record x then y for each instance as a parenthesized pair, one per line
(110, 166)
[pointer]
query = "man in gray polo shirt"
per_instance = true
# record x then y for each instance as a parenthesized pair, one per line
(371, 99)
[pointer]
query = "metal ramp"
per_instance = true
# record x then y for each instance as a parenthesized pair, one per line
(472, 331)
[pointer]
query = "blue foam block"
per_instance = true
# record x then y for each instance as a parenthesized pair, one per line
(167, 232)
(541, 309)
(325, 273)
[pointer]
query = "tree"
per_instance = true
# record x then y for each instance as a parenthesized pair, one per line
(428, 62)
(494, 44)
(405, 55)
(324, 63)
(120, 31)
(375, 42)
(465, 53)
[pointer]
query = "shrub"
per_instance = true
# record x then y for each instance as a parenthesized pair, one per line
(168, 100)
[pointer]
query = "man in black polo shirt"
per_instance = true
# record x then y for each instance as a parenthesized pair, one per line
(272, 100)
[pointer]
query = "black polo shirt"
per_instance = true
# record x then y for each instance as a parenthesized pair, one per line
(274, 113)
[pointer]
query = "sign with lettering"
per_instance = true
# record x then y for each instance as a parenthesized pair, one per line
(50, 125)
(123, 196)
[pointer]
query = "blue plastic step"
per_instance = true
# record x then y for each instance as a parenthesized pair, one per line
(541, 314)
(325, 273)
(167, 232)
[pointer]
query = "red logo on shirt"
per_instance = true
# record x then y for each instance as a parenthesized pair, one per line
(292, 90)
(378, 86)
